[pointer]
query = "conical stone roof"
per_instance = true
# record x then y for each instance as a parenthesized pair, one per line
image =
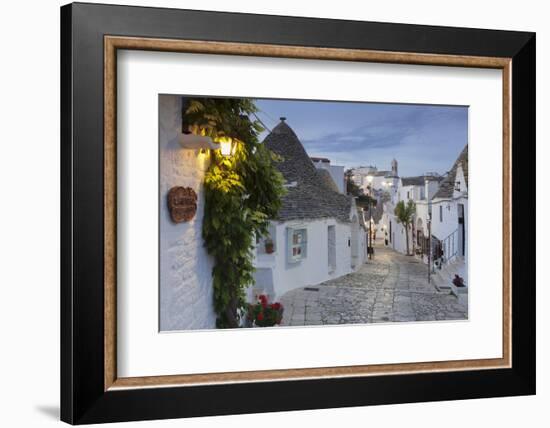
(447, 186)
(309, 194)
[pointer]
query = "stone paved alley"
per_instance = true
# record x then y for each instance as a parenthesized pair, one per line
(390, 288)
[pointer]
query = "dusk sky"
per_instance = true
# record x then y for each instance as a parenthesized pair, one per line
(422, 138)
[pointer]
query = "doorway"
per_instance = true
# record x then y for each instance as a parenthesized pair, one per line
(461, 231)
(331, 232)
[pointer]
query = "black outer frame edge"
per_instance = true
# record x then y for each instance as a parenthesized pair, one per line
(524, 219)
(300, 31)
(66, 306)
(83, 398)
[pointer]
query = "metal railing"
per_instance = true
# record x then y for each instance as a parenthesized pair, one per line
(449, 247)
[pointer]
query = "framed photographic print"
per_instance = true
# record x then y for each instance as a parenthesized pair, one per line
(272, 213)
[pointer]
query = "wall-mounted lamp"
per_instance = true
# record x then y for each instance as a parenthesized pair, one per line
(197, 142)
(200, 142)
(226, 145)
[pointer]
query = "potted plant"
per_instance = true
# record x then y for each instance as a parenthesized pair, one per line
(458, 281)
(265, 314)
(269, 247)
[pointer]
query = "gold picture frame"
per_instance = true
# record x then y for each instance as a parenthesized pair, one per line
(114, 43)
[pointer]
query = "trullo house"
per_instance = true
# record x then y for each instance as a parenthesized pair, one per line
(319, 233)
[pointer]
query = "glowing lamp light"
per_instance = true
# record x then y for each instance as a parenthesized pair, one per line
(226, 146)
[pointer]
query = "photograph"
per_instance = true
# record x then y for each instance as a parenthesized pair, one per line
(293, 213)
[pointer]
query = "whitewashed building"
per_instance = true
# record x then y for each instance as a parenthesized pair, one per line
(443, 200)
(336, 172)
(417, 189)
(385, 181)
(319, 233)
(369, 178)
(359, 174)
(450, 210)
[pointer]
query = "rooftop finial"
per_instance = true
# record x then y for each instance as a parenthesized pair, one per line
(282, 118)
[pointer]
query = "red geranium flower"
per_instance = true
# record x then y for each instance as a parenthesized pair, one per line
(260, 316)
(276, 306)
(263, 300)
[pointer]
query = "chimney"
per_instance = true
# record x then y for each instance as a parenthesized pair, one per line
(431, 186)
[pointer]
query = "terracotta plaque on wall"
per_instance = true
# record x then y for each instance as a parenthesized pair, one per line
(182, 204)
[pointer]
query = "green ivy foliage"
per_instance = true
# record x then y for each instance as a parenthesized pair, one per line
(242, 192)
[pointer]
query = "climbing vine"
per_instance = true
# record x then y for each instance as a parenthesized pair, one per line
(242, 192)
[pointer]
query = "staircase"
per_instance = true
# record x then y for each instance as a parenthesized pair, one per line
(443, 278)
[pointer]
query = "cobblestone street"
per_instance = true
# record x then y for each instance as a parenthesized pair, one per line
(390, 288)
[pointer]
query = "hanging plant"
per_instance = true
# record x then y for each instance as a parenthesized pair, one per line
(242, 192)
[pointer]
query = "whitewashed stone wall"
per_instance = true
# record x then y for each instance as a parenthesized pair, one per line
(186, 294)
(314, 268)
(422, 213)
(443, 227)
(398, 240)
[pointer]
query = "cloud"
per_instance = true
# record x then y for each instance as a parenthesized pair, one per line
(365, 137)
(421, 137)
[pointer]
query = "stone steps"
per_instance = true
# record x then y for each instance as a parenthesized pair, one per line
(443, 278)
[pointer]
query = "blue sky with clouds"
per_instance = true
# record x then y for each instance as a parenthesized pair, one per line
(421, 137)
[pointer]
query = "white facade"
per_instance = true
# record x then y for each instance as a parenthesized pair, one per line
(277, 273)
(447, 215)
(424, 206)
(431, 187)
(370, 176)
(186, 292)
(450, 218)
(394, 232)
(359, 175)
(383, 183)
(410, 193)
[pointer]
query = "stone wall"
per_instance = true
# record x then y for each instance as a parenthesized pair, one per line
(186, 294)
